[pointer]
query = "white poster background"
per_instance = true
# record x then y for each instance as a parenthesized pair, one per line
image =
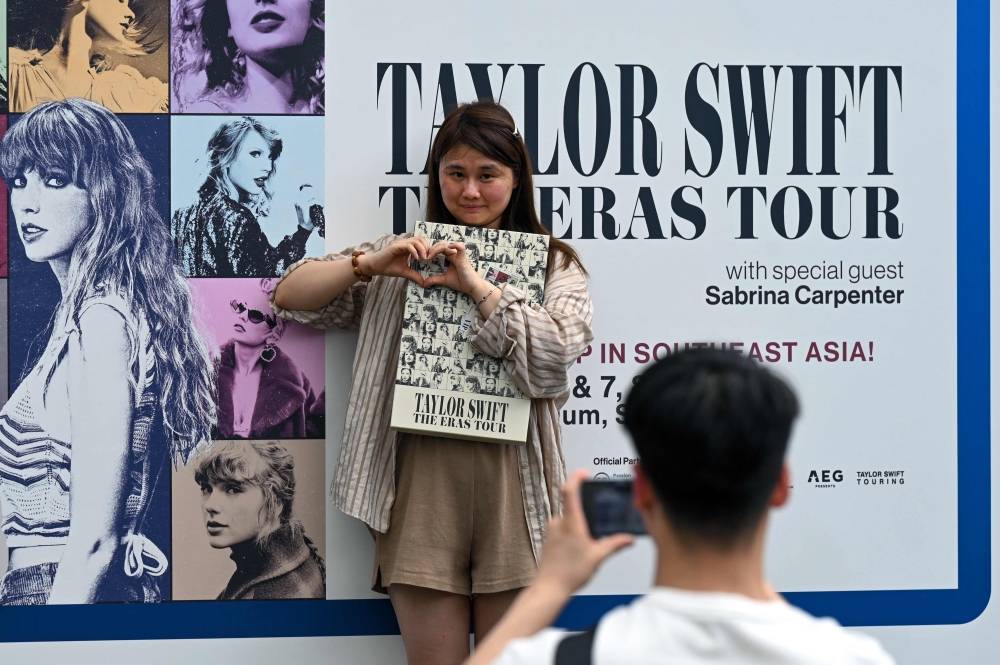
(884, 414)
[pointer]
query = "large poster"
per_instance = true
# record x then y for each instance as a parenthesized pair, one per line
(733, 176)
(802, 184)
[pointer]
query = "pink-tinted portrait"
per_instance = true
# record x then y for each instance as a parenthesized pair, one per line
(271, 372)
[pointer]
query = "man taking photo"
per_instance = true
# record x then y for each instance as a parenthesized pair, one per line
(711, 429)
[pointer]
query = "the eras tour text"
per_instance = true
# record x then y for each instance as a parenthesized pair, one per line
(481, 415)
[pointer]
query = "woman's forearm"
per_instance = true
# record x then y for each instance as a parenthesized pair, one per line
(315, 284)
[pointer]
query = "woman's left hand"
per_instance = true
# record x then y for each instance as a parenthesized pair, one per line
(460, 275)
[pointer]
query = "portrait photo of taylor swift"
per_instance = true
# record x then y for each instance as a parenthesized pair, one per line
(241, 56)
(249, 522)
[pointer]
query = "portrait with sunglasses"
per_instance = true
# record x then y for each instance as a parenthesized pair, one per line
(253, 315)
(262, 391)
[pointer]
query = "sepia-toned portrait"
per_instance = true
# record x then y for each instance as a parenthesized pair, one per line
(110, 52)
(249, 522)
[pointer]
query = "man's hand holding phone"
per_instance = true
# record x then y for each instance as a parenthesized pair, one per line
(572, 555)
(570, 558)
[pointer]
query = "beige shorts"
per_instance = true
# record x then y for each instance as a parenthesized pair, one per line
(457, 523)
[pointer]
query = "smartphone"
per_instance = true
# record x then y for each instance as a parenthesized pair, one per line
(608, 507)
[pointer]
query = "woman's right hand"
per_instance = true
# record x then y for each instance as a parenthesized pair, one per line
(394, 259)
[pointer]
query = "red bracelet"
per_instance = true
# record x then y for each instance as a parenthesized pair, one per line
(357, 269)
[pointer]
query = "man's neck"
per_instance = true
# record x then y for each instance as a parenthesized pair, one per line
(704, 567)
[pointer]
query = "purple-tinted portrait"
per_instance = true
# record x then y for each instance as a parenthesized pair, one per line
(271, 372)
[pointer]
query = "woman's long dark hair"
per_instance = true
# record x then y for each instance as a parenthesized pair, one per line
(489, 128)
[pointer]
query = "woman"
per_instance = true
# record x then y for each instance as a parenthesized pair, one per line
(63, 48)
(236, 56)
(219, 236)
(409, 360)
(124, 383)
(418, 493)
(247, 499)
(262, 392)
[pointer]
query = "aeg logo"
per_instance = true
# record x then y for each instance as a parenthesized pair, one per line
(825, 478)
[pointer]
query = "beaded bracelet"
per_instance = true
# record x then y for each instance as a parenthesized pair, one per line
(357, 269)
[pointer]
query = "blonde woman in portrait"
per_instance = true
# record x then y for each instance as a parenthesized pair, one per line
(66, 48)
(124, 384)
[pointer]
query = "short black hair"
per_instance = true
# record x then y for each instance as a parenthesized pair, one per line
(711, 428)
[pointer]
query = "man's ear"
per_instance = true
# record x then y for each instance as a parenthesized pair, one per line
(643, 495)
(779, 496)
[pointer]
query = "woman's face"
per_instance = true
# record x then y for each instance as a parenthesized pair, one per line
(231, 512)
(430, 327)
(475, 188)
(488, 252)
(107, 21)
(245, 331)
(409, 359)
(491, 384)
(405, 374)
(51, 213)
(448, 312)
(451, 297)
(253, 164)
(264, 31)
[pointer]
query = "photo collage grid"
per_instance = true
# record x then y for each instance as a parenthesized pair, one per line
(230, 161)
(434, 351)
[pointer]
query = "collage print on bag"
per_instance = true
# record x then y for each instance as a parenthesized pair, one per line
(164, 165)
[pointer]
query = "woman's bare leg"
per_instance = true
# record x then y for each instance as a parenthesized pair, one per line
(488, 608)
(434, 624)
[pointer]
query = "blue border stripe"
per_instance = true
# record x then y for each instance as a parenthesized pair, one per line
(215, 619)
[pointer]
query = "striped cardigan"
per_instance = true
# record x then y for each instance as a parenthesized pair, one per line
(538, 345)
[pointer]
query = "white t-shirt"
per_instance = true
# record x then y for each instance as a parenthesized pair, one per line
(673, 626)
